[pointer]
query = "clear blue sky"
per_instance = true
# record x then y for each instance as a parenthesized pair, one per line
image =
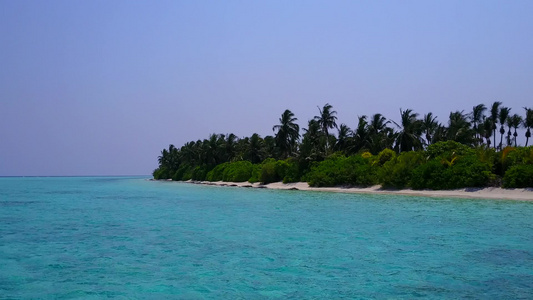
(100, 87)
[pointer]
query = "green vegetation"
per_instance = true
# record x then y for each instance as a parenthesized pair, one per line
(341, 170)
(397, 172)
(418, 153)
(519, 176)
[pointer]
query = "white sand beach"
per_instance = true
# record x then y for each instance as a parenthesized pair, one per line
(478, 193)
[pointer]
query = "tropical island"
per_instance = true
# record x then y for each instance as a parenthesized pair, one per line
(472, 150)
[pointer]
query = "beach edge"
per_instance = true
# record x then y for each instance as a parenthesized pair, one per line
(491, 193)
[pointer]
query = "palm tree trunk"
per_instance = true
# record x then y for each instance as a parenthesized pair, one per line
(501, 138)
(327, 141)
(494, 138)
(476, 136)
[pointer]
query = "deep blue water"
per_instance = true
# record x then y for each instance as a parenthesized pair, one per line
(64, 238)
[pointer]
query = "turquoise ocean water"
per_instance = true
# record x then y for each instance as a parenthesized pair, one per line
(98, 237)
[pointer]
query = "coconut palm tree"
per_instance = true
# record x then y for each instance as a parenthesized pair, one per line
(429, 125)
(344, 136)
(312, 147)
(190, 151)
(269, 146)
(360, 135)
(210, 150)
(409, 136)
(163, 158)
(255, 146)
(288, 132)
(509, 132)
(327, 120)
(477, 116)
(502, 116)
(528, 123)
(459, 128)
(377, 133)
(377, 124)
(169, 159)
(487, 130)
(440, 134)
(494, 111)
(230, 144)
(515, 121)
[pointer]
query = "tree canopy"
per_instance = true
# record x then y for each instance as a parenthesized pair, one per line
(374, 136)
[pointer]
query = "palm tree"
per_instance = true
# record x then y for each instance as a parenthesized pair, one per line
(477, 116)
(509, 133)
(409, 136)
(163, 158)
(269, 146)
(326, 120)
(312, 147)
(255, 145)
(288, 133)
(504, 113)
(528, 123)
(377, 133)
(190, 152)
(494, 110)
(429, 125)
(487, 130)
(389, 138)
(210, 150)
(459, 128)
(515, 121)
(440, 134)
(377, 124)
(169, 159)
(230, 144)
(360, 135)
(344, 136)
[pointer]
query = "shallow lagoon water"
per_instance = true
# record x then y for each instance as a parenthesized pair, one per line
(98, 237)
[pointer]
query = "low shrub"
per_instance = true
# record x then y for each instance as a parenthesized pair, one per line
(217, 173)
(397, 172)
(289, 170)
(256, 174)
(161, 173)
(448, 148)
(519, 176)
(268, 172)
(340, 170)
(384, 156)
(183, 173)
(511, 156)
(461, 172)
(199, 173)
(238, 171)
(429, 175)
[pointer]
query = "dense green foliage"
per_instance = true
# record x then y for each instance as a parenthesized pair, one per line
(272, 170)
(418, 153)
(519, 176)
(341, 170)
(518, 166)
(397, 172)
(440, 174)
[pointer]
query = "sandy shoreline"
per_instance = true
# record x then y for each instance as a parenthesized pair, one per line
(477, 193)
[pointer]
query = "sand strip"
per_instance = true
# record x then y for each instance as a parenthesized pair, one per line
(478, 193)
